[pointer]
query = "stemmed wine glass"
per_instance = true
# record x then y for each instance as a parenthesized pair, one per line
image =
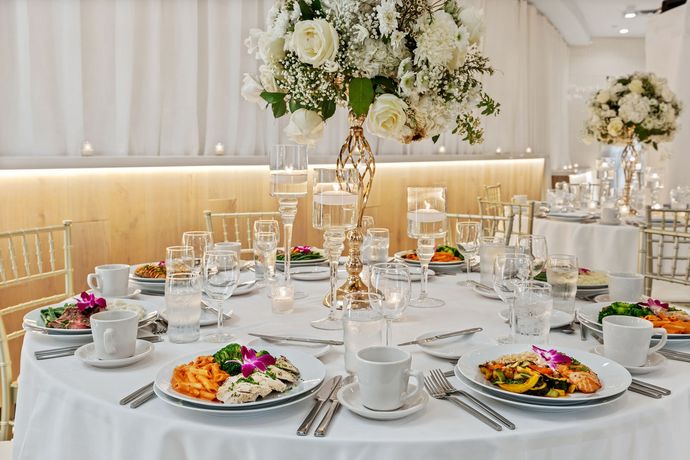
(288, 164)
(535, 247)
(426, 221)
(509, 270)
(221, 271)
(200, 241)
(266, 238)
(392, 282)
(467, 239)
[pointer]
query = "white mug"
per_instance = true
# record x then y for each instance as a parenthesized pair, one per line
(627, 339)
(610, 216)
(625, 287)
(110, 280)
(114, 333)
(384, 374)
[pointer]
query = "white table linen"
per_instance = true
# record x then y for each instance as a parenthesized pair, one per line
(68, 410)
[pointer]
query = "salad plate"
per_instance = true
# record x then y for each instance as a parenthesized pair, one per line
(312, 374)
(310, 273)
(317, 350)
(614, 378)
(558, 318)
(87, 355)
(655, 361)
(454, 347)
(349, 396)
(303, 255)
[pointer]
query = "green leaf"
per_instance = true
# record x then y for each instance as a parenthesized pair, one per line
(294, 105)
(272, 98)
(361, 95)
(435, 138)
(327, 109)
(307, 12)
(279, 109)
(316, 5)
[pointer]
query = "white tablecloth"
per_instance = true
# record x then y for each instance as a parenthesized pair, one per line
(68, 410)
(610, 248)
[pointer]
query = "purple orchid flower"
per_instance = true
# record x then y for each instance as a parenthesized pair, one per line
(251, 362)
(584, 271)
(161, 263)
(552, 357)
(303, 249)
(656, 305)
(90, 302)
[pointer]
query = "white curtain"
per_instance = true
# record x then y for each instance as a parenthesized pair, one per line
(163, 77)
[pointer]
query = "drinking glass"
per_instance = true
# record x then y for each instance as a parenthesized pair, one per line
(509, 269)
(363, 326)
(467, 236)
(234, 246)
(200, 241)
(288, 166)
(535, 247)
(379, 242)
(183, 306)
(265, 245)
(264, 226)
(392, 283)
(334, 212)
(365, 248)
(532, 308)
(426, 221)
(561, 273)
(221, 271)
(490, 247)
(179, 259)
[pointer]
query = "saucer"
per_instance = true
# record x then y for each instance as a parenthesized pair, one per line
(350, 398)
(602, 298)
(132, 292)
(87, 354)
(655, 361)
(310, 273)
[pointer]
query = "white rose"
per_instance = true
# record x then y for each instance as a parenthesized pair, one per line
(315, 42)
(268, 79)
(271, 50)
(387, 117)
(603, 97)
(472, 19)
(615, 127)
(407, 83)
(305, 127)
(251, 89)
(635, 86)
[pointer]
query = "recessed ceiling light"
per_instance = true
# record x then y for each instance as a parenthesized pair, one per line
(623, 31)
(629, 14)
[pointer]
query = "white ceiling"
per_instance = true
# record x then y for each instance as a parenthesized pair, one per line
(581, 20)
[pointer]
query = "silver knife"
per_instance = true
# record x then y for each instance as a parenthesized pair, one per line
(297, 339)
(332, 409)
(321, 396)
(442, 336)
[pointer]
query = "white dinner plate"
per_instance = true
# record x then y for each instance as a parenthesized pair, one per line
(87, 354)
(33, 321)
(400, 256)
(655, 361)
(310, 273)
(294, 263)
(558, 318)
(132, 292)
(537, 407)
(349, 396)
(485, 292)
(614, 377)
(454, 347)
(139, 279)
(317, 350)
(312, 373)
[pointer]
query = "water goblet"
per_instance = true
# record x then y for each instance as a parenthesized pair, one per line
(200, 241)
(509, 269)
(535, 247)
(467, 235)
(221, 271)
(392, 282)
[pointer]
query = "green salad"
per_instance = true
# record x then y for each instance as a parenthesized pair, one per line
(301, 253)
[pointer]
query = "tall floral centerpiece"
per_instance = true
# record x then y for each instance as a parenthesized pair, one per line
(406, 70)
(634, 109)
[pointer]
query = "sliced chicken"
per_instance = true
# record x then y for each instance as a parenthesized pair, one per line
(282, 374)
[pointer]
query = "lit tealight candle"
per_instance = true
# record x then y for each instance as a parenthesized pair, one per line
(498, 150)
(336, 198)
(528, 150)
(86, 149)
(220, 149)
(283, 300)
(442, 149)
(426, 215)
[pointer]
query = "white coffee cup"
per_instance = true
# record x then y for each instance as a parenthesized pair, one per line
(610, 216)
(384, 374)
(114, 333)
(625, 287)
(627, 339)
(110, 280)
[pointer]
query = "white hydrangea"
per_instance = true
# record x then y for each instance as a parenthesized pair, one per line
(633, 108)
(436, 42)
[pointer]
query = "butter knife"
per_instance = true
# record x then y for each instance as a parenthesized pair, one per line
(320, 431)
(442, 336)
(296, 339)
(319, 400)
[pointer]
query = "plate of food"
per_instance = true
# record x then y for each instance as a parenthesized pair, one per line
(675, 319)
(444, 256)
(151, 272)
(237, 376)
(72, 316)
(302, 255)
(532, 374)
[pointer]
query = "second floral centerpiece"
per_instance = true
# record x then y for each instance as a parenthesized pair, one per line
(406, 70)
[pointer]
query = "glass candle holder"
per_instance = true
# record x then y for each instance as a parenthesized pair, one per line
(282, 299)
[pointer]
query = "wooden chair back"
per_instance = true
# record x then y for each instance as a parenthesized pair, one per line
(236, 226)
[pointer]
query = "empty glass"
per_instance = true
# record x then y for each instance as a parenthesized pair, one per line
(221, 271)
(265, 247)
(490, 247)
(535, 247)
(392, 282)
(363, 325)
(562, 273)
(264, 226)
(532, 308)
(379, 240)
(200, 241)
(509, 270)
(183, 306)
(467, 239)
(179, 259)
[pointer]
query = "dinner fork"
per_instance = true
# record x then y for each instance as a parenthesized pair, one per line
(438, 393)
(446, 386)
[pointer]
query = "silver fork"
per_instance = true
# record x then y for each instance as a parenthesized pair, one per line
(446, 386)
(438, 393)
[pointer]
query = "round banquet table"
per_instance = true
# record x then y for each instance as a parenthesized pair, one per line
(68, 410)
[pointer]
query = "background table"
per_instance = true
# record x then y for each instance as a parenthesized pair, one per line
(68, 410)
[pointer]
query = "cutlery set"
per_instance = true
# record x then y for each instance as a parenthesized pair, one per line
(328, 392)
(647, 389)
(442, 336)
(139, 397)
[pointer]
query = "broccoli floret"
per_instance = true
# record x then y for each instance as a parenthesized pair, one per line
(230, 352)
(625, 309)
(231, 367)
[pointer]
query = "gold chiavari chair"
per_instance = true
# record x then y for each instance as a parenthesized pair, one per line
(239, 225)
(492, 192)
(520, 216)
(23, 261)
(665, 247)
(494, 226)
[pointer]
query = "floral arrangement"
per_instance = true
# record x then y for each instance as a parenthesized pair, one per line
(411, 67)
(638, 107)
(88, 303)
